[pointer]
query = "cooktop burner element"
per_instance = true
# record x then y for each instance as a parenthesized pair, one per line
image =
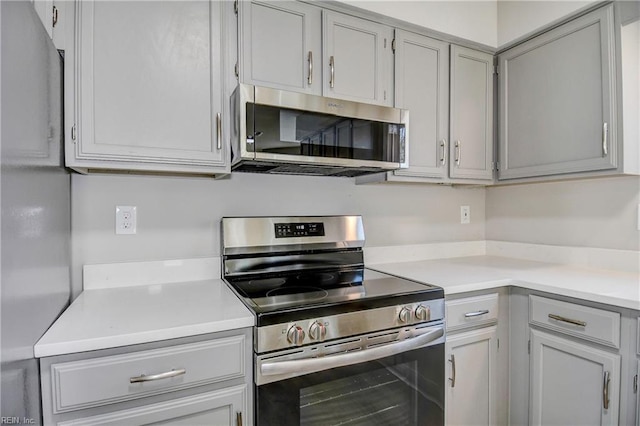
(293, 269)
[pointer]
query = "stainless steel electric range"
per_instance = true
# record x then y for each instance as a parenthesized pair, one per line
(335, 342)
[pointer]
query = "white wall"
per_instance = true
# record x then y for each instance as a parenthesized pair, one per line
(474, 20)
(178, 217)
(519, 17)
(600, 213)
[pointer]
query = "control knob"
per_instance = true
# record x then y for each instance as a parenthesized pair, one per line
(404, 315)
(317, 331)
(295, 335)
(423, 313)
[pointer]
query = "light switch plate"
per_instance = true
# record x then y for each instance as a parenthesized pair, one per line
(126, 218)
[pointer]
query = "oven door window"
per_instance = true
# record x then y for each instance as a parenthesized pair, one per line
(406, 389)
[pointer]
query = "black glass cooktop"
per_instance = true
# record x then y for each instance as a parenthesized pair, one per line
(296, 283)
(298, 295)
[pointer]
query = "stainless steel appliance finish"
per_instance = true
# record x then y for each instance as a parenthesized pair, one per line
(284, 132)
(245, 235)
(331, 334)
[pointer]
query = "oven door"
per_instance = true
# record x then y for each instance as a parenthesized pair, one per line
(400, 382)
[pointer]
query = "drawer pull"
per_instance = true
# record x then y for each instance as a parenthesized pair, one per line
(160, 376)
(569, 320)
(605, 391)
(476, 313)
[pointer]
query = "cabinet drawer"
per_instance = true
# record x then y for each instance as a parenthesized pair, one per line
(105, 380)
(588, 323)
(470, 311)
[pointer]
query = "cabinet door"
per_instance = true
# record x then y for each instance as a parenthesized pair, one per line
(221, 408)
(471, 147)
(637, 391)
(422, 87)
(557, 100)
(572, 383)
(471, 386)
(281, 45)
(357, 57)
(149, 84)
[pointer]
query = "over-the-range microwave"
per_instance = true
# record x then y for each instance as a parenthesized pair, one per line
(281, 132)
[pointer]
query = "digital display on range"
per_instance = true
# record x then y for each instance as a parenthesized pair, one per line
(289, 230)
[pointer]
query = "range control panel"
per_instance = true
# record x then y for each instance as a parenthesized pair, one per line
(315, 330)
(309, 229)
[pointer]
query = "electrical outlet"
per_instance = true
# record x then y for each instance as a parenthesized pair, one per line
(126, 220)
(465, 214)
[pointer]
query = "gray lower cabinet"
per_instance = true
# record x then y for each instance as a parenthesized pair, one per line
(471, 116)
(471, 377)
(472, 361)
(572, 383)
(203, 380)
(557, 101)
(636, 385)
(281, 45)
(219, 408)
(636, 379)
(357, 59)
(145, 87)
(576, 374)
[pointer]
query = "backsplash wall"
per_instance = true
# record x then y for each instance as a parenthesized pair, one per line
(178, 217)
(601, 213)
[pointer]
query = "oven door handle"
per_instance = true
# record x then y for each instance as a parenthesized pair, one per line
(311, 365)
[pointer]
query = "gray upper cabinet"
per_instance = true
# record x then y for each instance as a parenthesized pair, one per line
(449, 93)
(299, 47)
(148, 87)
(282, 46)
(471, 117)
(357, 59)
(557, 101)
(422, 87)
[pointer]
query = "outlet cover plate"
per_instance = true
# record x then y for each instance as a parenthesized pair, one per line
(465, 215)
(126, 220)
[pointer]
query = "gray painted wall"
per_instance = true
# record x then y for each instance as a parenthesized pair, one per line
(588, 213)
(178, 217)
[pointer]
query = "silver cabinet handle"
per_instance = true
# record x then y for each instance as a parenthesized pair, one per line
(605, 391)
(476, 313)
(567, 320)
(458, 152)
(310, 78)
(332, 73)
(605, 139)
(452, 379)
(311, 365)
(152, 377)
(54, 18)
(239, 419)
(443, 156)
(219, 129)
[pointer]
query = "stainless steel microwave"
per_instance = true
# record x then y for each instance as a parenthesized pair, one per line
(280, 132)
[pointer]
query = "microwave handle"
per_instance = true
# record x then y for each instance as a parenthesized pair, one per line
(310, 365)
